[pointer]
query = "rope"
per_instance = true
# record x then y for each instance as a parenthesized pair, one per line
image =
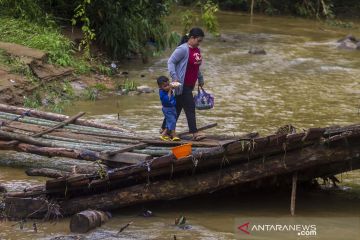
(223, 161)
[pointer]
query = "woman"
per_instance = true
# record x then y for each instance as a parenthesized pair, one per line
(184, 67)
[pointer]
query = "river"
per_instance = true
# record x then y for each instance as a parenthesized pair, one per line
(303, 80)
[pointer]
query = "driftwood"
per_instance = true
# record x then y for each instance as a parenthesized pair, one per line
(87, 220)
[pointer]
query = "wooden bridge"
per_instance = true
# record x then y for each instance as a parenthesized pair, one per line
(135, 169)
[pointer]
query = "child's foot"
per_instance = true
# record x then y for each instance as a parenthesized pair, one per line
(164, 137)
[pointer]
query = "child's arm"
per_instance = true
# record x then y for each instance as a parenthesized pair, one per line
(165, 98)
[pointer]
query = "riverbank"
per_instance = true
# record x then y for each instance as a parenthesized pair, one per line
(39, 67)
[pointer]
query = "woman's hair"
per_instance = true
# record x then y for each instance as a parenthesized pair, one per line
(194, 32)
(162, 79)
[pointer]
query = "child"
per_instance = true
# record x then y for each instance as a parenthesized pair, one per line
(168, 102)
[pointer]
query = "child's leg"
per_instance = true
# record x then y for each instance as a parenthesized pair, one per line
(171, 119)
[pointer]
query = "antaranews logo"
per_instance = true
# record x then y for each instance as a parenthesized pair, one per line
(299, 229)
(309, 228)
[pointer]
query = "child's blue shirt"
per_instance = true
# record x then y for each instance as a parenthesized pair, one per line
(165, 100)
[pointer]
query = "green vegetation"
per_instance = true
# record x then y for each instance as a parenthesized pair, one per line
(208, 10)
(53, 97)
(119, 27)
(303, 8)
(46, 38)
(129, 85)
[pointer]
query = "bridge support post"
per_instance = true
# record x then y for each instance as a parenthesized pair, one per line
(293, 193)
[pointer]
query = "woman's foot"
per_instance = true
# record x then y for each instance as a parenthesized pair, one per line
(175, 139)
(198, 136)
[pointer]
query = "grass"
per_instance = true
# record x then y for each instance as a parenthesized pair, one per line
(46, 38)
(53, 97)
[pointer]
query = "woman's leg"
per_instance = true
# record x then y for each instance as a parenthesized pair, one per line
(189, 108)
(179, 105)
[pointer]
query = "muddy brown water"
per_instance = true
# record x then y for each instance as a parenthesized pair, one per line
(303, 80)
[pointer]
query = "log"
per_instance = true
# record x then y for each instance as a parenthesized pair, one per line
(60, 125)
(4, 135)
(208, 159)
(212, 159)
(46, 172)
(178, 143)
(22, 208)
(21, 160)
(15, 142)
(56, 117)
(126, 149)
(199, 129)
(211, 181)
(53, 152)
(87, 220)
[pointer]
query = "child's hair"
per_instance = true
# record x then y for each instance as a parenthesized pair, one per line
(194, 32)
(162, 79)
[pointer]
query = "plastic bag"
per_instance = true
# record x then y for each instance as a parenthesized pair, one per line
(203, 100)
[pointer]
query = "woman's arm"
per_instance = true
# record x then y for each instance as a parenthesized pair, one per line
(200, 79)
(175, 58)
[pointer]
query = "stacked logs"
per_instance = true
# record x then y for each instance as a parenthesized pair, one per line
(167, 167)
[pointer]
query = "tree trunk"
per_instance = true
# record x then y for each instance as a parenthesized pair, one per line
(55, 117)
(21, 160)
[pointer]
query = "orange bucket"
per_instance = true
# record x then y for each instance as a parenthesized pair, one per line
(182, 150)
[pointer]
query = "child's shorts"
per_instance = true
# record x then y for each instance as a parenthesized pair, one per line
(170, 116)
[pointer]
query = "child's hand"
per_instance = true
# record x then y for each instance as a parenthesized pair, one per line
(175, 84)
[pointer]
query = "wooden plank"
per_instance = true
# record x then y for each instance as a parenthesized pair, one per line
(122, 150)
(199, 129)
(121, 159)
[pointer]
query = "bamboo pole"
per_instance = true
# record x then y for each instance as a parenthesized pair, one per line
(50, 123)
(60, 125)
(252, 8)
(56, 117)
